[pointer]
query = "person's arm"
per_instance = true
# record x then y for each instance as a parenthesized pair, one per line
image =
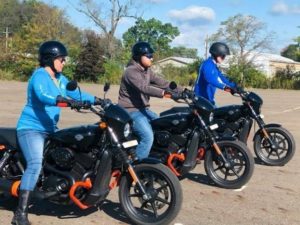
(226, 81)
(135, 79)
(75, 94)
(41, 88)
(211, 75)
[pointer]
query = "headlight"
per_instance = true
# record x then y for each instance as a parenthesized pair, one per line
(127, 130)
(211, 117)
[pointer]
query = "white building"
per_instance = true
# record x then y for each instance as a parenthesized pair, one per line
(173, 61)
(268, 63)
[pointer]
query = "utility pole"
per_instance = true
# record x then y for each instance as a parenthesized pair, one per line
(6, 38)
(206, 46)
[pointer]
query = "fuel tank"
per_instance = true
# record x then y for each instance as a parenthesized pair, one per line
(81, 136)
(229, 113)
(175, 123)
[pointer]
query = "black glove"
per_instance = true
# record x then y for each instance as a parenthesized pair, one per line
(231, 90)
(188, 94)
(102, 102)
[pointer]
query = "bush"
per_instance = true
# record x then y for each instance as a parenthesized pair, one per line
(6, 75)
(178, 74)
(113, 72)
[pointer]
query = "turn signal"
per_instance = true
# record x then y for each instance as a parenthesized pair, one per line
(2, 147)
(103, 125)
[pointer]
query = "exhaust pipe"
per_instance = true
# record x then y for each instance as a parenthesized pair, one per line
(9, 186)
(12, 187)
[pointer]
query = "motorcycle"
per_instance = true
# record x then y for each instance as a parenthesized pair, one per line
(183, 135)
(82, 164)
(273, 144)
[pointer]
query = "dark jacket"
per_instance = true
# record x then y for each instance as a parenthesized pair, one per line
(137, 85)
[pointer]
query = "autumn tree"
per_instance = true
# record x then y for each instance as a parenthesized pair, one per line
(107, 14)
(245, 35)
(90, 61)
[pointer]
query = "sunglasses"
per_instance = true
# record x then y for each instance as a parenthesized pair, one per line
(62, 59)
(149, 55)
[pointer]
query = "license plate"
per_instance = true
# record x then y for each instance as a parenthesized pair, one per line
(214, 126)
(129, 144)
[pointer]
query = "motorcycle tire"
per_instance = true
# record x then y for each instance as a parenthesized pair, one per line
(241, 165)
(165, 191)
(284, 150)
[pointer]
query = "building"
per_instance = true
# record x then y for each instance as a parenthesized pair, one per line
(269, 63)
(173, 61)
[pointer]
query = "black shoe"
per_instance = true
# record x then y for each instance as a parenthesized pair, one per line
(21, 213)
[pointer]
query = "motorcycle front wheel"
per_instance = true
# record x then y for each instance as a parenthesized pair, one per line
(163, 189)
(240, 164)
(283, 148)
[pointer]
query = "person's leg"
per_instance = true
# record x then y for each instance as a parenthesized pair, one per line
(143, 129)
(32, 145)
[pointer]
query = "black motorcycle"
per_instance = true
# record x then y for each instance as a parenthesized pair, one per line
(273, 144)
(183, 135)
(82, 164)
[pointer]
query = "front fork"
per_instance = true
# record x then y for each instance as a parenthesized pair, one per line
(212, 139)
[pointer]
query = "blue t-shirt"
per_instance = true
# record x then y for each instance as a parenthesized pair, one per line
(210, 78)
(40, 112)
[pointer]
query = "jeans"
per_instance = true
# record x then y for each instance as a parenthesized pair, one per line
(32, 145)
(142, 128)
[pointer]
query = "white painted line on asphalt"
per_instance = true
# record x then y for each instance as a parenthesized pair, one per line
(297, 108)
(240, 189)
(178, 223)
(287, 110)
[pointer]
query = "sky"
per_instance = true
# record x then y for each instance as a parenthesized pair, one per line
(196, 19)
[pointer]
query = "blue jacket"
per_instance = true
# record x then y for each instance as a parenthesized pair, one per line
(210, 78)
(41, 113)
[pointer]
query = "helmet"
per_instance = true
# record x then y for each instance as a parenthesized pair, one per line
(141, 48)
(219, 49)
(49, 51)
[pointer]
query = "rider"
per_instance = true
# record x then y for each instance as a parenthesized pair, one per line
(46, 87)
(138, 84)
(210, 77)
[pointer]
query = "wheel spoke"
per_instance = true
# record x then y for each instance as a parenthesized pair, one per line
(162, 187)
(144, 204)
(162, 200)
(154, 209)
(233, 170)
(135, 195)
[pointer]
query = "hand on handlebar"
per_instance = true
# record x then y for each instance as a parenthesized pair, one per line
(102, 102)
(65, 102)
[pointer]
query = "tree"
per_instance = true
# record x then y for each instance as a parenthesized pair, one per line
(90, 61)
(159, 35)
(293, 50)
(106, 14)
(245, 35)
(184, 52)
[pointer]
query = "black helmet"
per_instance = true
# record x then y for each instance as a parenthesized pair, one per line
(219, 49)
(141, 48)
(49, 51)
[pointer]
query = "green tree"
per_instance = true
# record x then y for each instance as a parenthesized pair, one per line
(90, 61)
(159, 35)
(292, 52)
(182, 51)
(246, 36)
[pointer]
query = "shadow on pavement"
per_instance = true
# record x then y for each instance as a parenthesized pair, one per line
(40, 208)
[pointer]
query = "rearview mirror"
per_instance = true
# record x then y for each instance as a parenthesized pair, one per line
(106, 87)
(72, 85)
(172, 85)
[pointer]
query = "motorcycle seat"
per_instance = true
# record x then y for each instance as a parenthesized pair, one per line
(8, 136)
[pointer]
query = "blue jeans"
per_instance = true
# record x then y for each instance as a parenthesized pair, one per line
(32, 145)
(142, 128)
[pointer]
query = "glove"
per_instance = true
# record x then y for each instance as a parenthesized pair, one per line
(231, 90)
(102, 102)
(188, 94)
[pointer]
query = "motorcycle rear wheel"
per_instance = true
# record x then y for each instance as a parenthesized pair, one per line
(284, 150)
(240, 170)
(162, 185)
